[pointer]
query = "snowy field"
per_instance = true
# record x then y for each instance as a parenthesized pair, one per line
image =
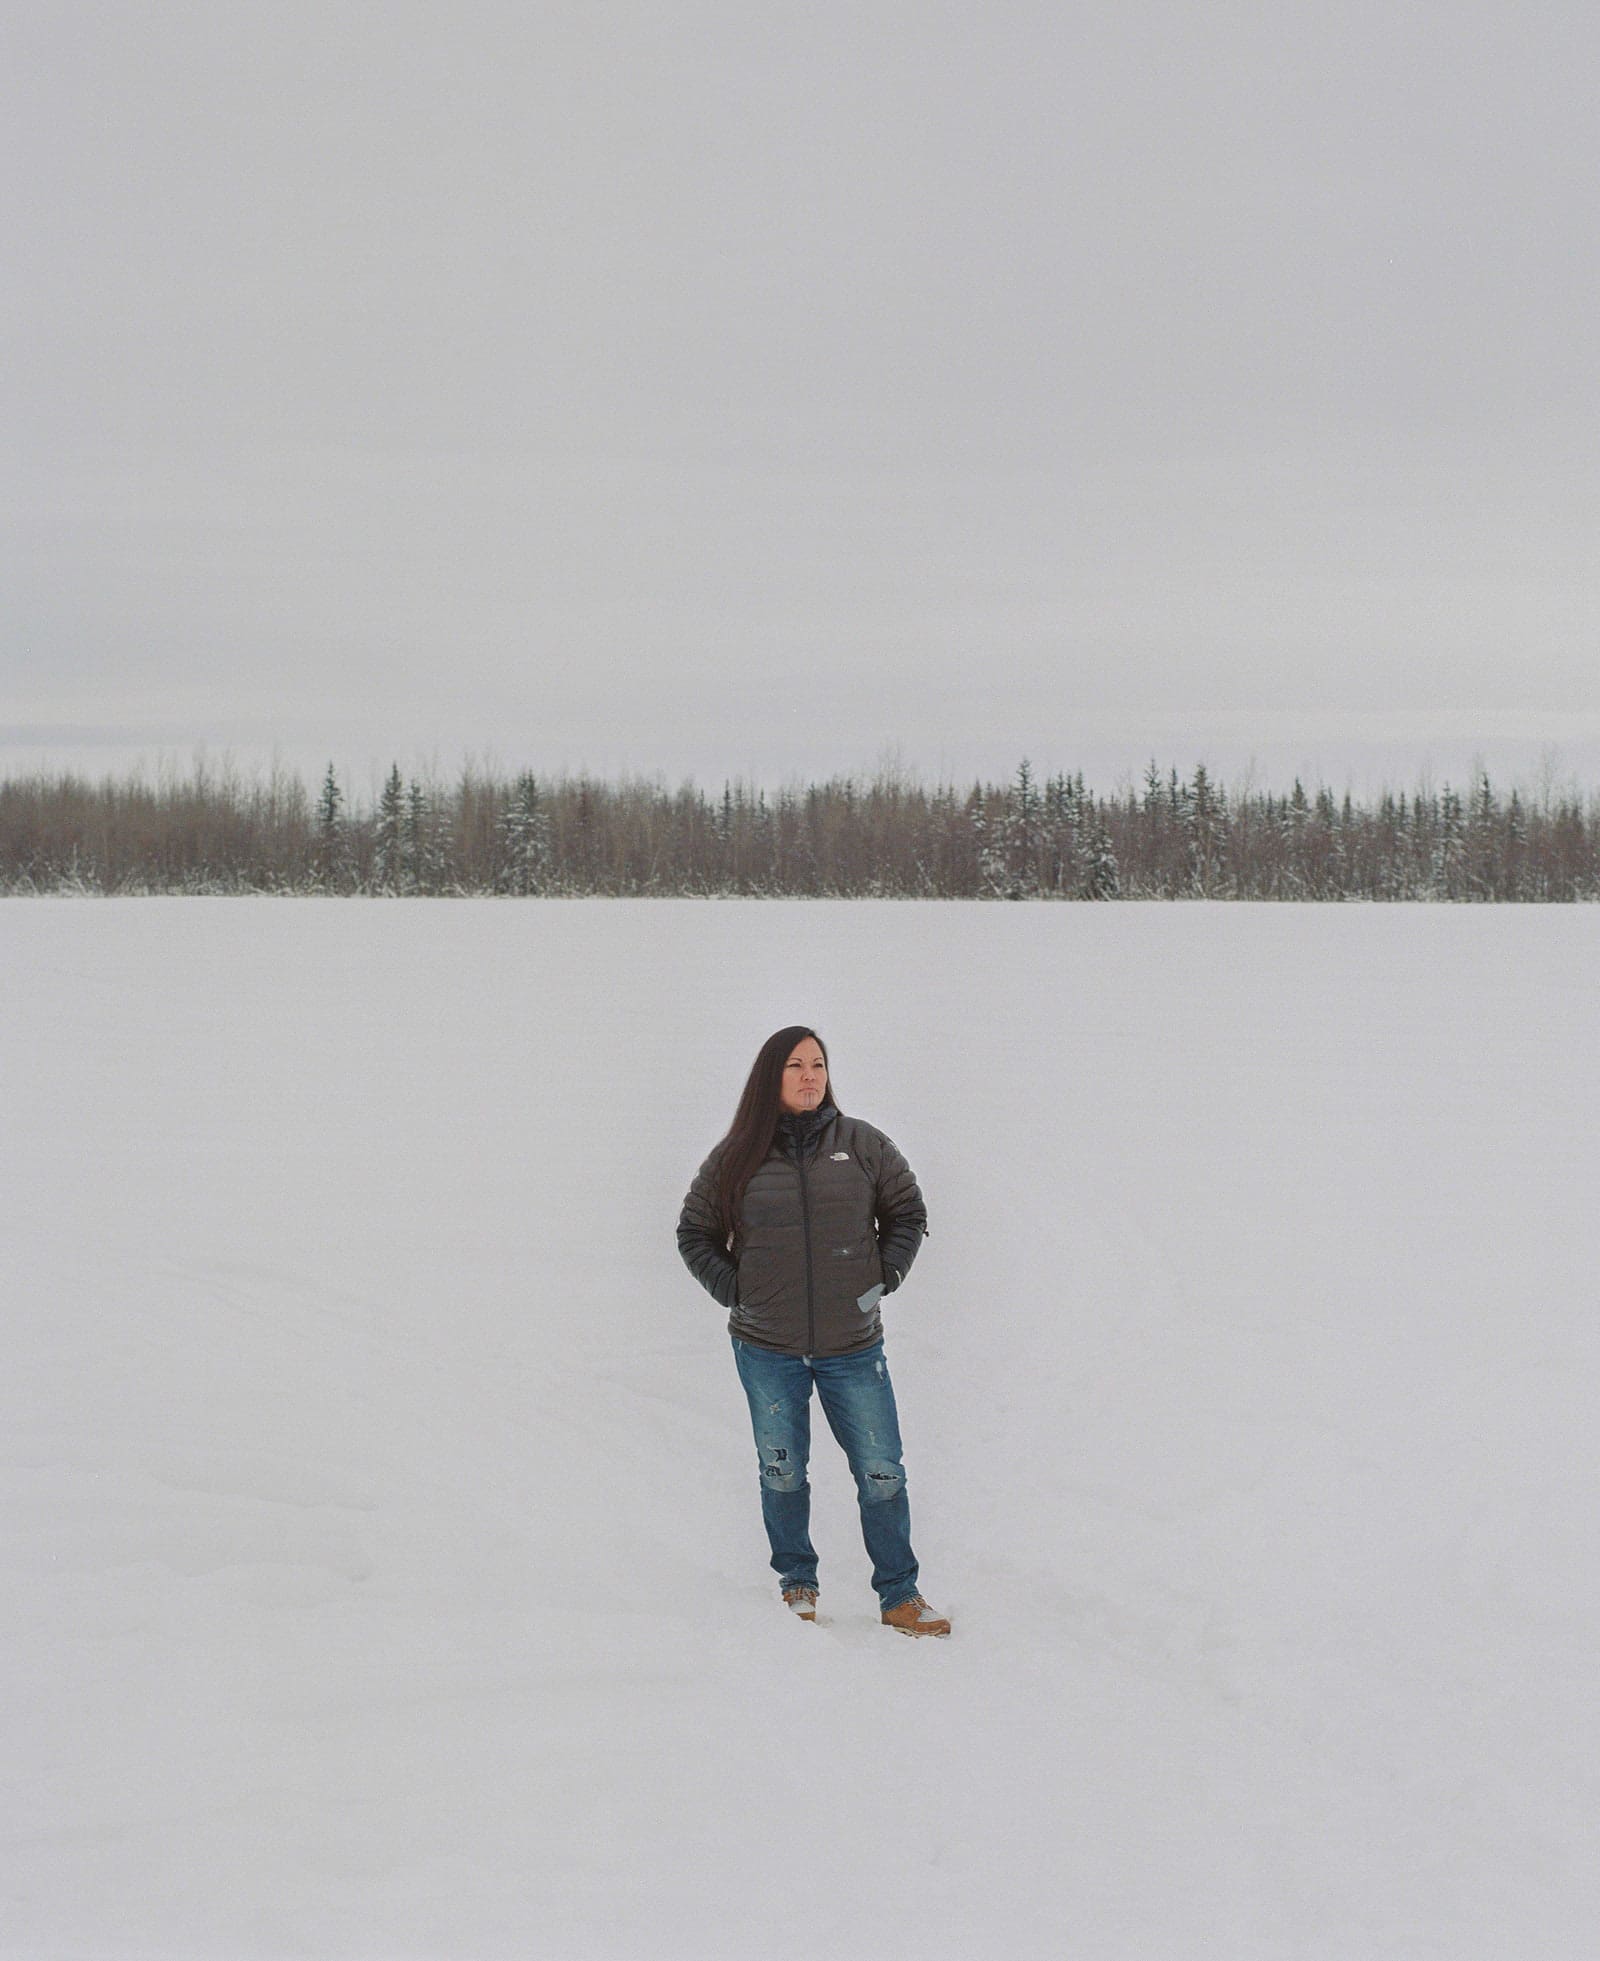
(381, 1569)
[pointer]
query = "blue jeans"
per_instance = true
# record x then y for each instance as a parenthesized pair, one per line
(858, 1401)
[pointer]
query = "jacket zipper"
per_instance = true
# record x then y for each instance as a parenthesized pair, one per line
(805, 1215)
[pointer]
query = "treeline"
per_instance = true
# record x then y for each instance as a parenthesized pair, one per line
(891, 837)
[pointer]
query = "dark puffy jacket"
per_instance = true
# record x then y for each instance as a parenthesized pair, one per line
(831, 1213)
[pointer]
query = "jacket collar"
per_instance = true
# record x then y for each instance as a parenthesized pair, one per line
(800, 1131)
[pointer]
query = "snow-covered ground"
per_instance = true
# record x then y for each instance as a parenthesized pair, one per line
(380, 1544)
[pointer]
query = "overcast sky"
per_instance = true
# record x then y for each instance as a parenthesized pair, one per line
(741, 389)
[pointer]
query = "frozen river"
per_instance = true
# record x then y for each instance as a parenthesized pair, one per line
(381, 1569)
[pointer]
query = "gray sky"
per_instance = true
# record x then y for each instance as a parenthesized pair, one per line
(740, 389)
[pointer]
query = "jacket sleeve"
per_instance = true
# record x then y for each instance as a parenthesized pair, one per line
(902, 1216)
(701, 1242)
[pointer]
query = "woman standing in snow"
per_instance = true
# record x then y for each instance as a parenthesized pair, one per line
(799, 1222)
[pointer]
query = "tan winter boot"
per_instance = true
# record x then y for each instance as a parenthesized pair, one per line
(915, 1616)
(801, 1601)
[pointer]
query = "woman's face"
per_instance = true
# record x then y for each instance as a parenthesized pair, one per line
(805, 1076)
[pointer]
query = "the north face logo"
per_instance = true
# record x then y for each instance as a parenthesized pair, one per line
(838, 1155)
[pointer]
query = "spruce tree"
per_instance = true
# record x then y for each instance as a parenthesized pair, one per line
(1207, 829)
(525, 839)
(424, 866)
(988, 823)
(1101, 879)
(333, 852)
(1515, 857)
(1023, 828)
(387, 841)
(1450, 848)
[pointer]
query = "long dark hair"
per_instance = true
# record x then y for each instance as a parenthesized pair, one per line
(755, 1122)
